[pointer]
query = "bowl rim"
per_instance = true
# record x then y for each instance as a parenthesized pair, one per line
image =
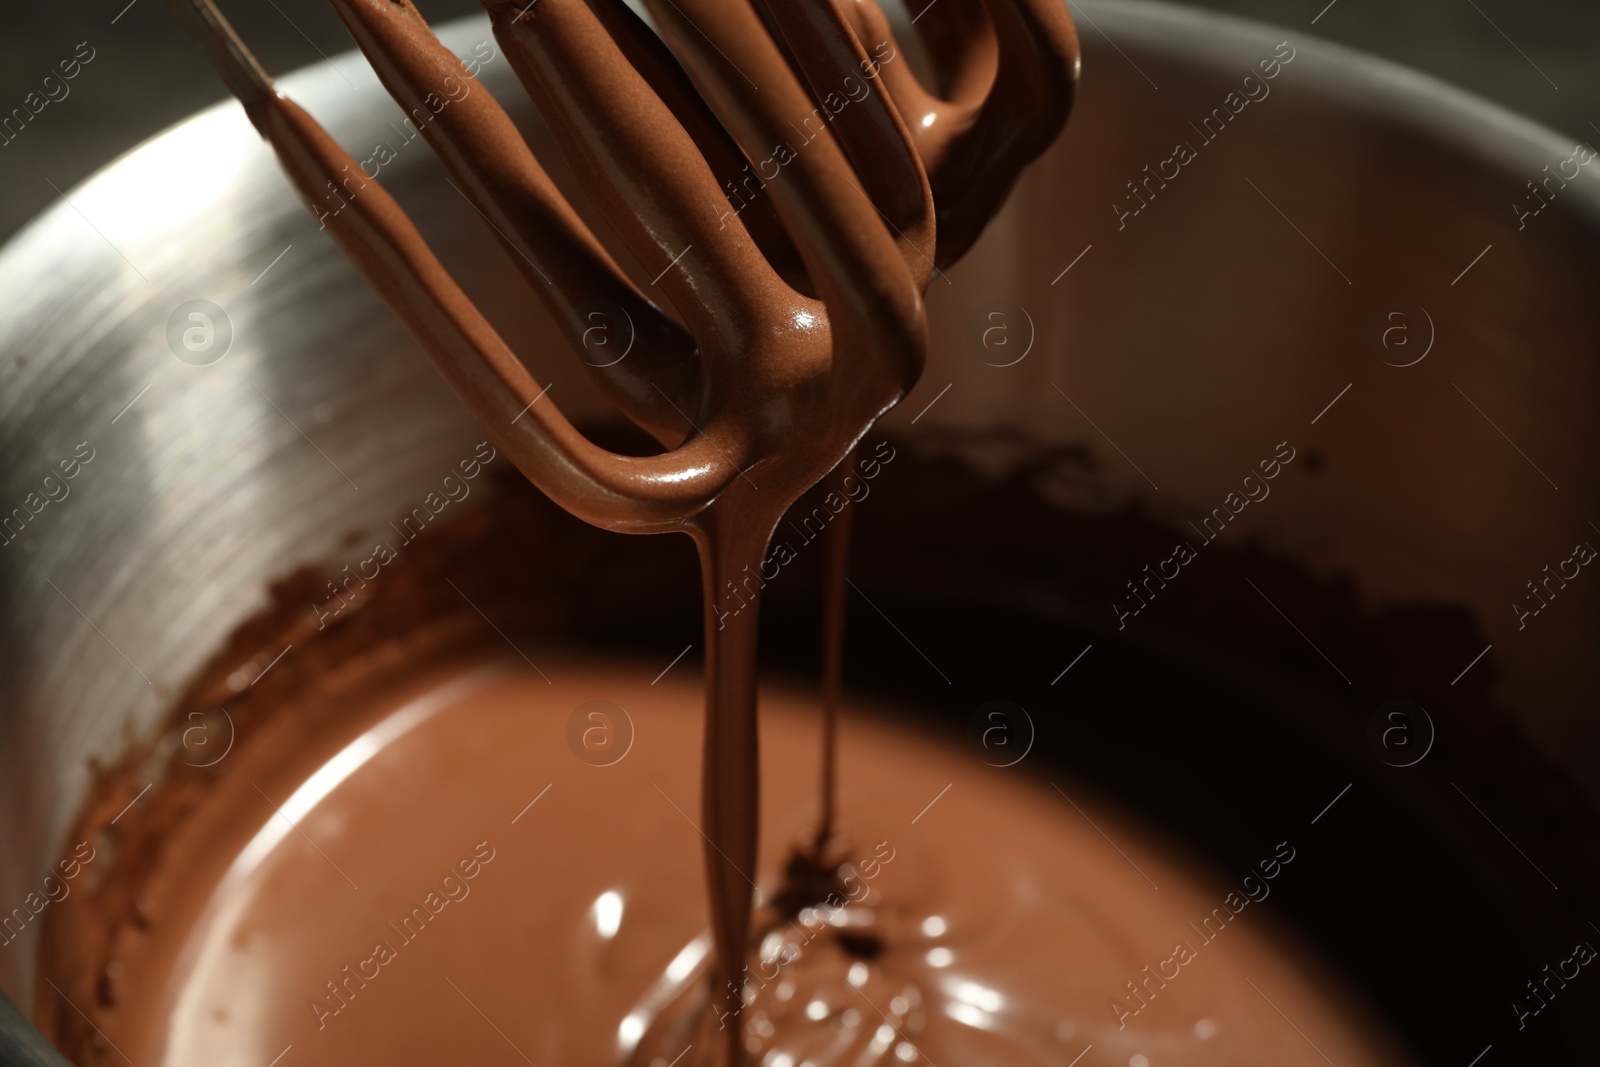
(1503, 139)
(1494, 134)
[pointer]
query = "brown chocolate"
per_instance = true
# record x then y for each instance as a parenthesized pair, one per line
(1009, 72)
(461, 884)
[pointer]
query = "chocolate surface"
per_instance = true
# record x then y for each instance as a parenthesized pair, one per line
(461, 884)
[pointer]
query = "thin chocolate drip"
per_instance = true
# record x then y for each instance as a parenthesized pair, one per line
(730, 796)
(835, 596)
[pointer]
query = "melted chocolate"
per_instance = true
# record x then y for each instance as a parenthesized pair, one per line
(459, 885)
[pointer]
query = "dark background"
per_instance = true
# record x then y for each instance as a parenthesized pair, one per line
(146, 76)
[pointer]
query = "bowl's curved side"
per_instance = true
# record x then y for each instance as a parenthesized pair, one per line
(1213, 261)
(1492, 135)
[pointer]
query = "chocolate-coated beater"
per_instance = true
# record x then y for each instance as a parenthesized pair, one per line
(803, 317)
(755, 367)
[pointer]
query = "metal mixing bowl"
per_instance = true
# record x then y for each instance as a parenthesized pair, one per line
(1342, 267)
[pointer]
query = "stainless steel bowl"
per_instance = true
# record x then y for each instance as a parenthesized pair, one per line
(1340, 265)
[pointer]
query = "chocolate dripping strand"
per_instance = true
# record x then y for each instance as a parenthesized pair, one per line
(835, 597)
